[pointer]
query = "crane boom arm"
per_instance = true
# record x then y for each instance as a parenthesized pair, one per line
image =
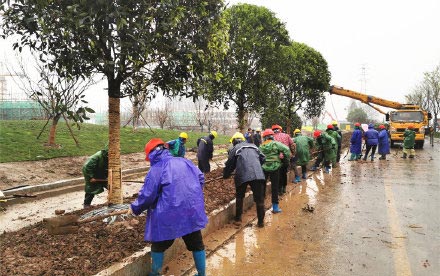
(367, 99)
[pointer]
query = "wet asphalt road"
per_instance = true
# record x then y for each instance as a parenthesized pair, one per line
(370, 218)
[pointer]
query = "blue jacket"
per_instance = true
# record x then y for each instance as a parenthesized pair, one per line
(356, 142)
(173, 195)
(177, 147)
(371, 136)
(384, 146)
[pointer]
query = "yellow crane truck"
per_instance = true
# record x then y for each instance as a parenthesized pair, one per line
(398, 119)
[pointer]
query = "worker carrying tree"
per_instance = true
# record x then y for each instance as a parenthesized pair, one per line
(246, 159)
(173, 195)
(205, 151)
(177, 146)
(276, 154)
(95, 171)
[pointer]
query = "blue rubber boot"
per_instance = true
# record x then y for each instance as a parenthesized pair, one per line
(156, 266)
(200, 261)
(275, 208)
(327, 169)
(297, 179)
(304, 176)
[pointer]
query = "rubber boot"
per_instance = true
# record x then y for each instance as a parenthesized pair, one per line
(314, 168)
(327, 169)
(276, 208)
(382, 157)
(411, 156)
(260, 214)
(297, 179)
(238, 211)
(372, 157)
(404, 155)
(156, 266)
(200, 261)
(304, 176)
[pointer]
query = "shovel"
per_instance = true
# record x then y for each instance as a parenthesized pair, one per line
(70, 223)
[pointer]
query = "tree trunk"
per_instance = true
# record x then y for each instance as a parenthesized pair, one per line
(135, 119)
(240, 118)
(114, 147)
(53, 130)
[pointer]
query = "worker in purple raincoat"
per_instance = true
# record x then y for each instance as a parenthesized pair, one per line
(173, 195)
(384, 145)
(356, 143)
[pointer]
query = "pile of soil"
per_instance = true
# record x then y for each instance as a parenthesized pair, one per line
(32, 251)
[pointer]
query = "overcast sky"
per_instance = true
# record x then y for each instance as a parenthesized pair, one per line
(396, 41)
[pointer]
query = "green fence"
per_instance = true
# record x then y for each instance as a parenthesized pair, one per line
(21, 110)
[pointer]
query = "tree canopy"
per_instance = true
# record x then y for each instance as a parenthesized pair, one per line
(168, 42)
(303, 77)
(357, 115)
(255, 35)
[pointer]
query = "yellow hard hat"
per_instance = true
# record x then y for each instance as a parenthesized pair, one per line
(258, 129)
(237, 135)
(214, 133)
(183, 135)
(296, 131)
(334, 123)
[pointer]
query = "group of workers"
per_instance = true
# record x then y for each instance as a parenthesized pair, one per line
(173, 187)
(379, 140)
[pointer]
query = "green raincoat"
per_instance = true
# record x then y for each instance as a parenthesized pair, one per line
(303, 146)
(409, 139)
(272, 149)
(327, 144)
(96, 167)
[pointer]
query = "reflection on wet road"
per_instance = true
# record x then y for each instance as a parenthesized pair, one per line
(370, 218)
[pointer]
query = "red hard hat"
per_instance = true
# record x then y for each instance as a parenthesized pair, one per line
(267, 132)
(357, 124)
(317, 133)
(381, 126)
(154, 142)
(411, 126)
(329, 126)
(276, 127)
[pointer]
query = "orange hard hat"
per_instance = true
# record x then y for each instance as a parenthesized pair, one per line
(381, 126)
(411, 126)
(267, 132)
(357, 124)
(329, 126)
(276, 127)
(154, 142)
(317, 133)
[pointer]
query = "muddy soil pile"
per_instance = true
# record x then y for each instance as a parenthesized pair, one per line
(32, 251)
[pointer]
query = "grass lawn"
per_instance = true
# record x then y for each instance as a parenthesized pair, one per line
(18, 140)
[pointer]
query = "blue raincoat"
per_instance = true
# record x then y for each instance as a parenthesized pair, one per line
(371, 136)
(384, 146)
(173, 195)
(356, 141)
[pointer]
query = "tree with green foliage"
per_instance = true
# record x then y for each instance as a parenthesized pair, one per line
(168, 42)
(303, 77)
(357, 115)
(271, 115)
(427, 93)
(255, 35)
